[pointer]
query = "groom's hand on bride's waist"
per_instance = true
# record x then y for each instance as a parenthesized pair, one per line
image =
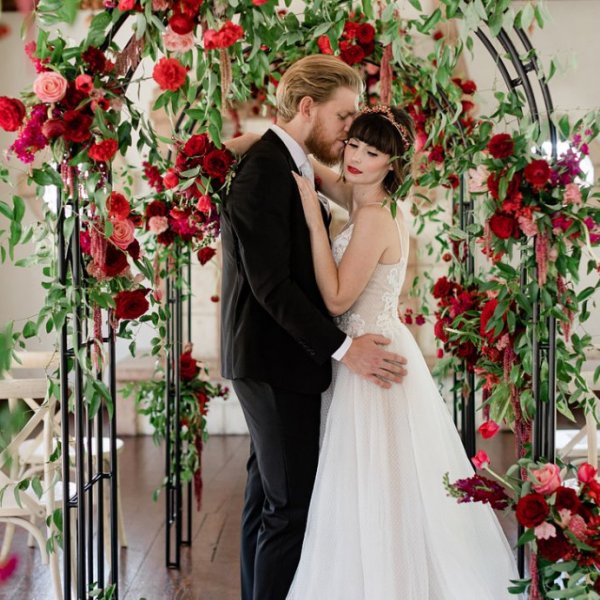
(367, 358)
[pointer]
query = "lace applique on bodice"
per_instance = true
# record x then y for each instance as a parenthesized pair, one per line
(376, 309)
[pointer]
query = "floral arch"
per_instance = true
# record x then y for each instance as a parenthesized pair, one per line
(521, 229)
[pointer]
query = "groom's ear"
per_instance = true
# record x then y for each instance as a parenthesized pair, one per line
(306, 107)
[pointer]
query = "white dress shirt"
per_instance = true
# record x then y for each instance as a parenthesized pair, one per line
(305, 167)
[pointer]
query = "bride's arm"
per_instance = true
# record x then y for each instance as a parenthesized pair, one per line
(340, 287)
(332, 185)
(241, 144)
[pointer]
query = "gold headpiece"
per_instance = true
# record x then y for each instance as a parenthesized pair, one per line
(385, 112)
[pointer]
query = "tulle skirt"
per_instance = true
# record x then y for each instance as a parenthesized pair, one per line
(380, 525)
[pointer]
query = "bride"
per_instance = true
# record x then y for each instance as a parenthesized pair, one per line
(380, 526)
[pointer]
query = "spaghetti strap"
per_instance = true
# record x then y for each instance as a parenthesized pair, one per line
(400, 235)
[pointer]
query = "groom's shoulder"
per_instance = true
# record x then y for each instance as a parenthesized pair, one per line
(269, 151)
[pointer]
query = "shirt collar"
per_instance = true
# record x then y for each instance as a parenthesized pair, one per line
(294, 148)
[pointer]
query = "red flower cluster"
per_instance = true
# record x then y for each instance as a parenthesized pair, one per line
(188, 366)
(103, 151)
(170, 74)
(228, 35)
(501, 145)
(358, 42)
(480, 489)
(185, 16)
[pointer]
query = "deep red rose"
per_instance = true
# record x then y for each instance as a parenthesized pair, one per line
(53, 128)
(350, 29)
(468, 352)
(117, 206)
(197, 145)
(182, 24)
(365, 33)
(103, 151)
(353, 54)
(12, 113)
(156, 208)
(166, 238)
(487, 312)
(513, 197)
(566, 498)
(537, 172)
(503, 225)
(170, 74)
(501, 145)
(131, 304)
(443, 287)
(439, 330)
(205, 254)
(188, 366)
(453, 181)
(231, 33)
(77, 126)
(468, 86)
(134, 250)
(217, 163)
(554, 548)
(171, 179)
(95, 59)
(324, 44)
(368, 48)
(532, 510)
(115, 261)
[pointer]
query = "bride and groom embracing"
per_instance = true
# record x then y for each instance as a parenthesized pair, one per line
(349, 436)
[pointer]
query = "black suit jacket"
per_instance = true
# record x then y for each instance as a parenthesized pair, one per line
(274, 324)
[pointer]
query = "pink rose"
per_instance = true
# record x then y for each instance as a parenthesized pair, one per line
(84, 83)
(50, 86)
(204, 204)
(123, 233)
(548, 478)
(478, 179)
(572, 194)
(586, 473)
(174, 42)
(481, 460)
(158, 224)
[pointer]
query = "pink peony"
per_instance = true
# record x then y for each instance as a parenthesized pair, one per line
(586, 473)
(545, 531)
(481, 460)
(174, 42)
(123, 233)
(50, 86)
(158, 224)
(548, 478)
(572, 194)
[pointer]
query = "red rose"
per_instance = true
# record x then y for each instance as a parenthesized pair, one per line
(103, 151)
(131, 304)
(53, 128)
(365, 33)
(117, 206)
(84, 83)
(439, 330)
(324, 44)
(77, 126)
(115, 261)
(205, 254)
(169, 73)
(188, 367)
(586, 473)
(468, 86)
(443, 287)
(125, 5)
(537, 172)
(487, 312)
(182, 24)
(134, 250)
(488, 429)
(217, 163)
(230, 34)
(566, 498)
(353, 54)
(197, 145)
(12, 113)
(501, 145)
(513, 197)
(350, 29)
(171, 179)
(554, 548)
(532, 510)
(95, 59)
(156, 208)
(503, 225)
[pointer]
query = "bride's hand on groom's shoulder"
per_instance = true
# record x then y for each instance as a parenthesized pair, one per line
(367, 357)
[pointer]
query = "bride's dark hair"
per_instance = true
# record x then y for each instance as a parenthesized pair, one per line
(375, 128)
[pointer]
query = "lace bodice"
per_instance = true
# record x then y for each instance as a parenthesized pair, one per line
(376, 309)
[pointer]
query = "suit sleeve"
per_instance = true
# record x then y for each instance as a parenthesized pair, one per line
(259, 208)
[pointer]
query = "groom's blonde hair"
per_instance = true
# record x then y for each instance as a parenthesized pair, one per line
(317, 76)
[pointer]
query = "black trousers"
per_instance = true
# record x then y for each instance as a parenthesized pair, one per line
(284, 450)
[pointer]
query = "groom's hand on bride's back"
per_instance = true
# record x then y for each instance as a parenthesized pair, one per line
(368, 358)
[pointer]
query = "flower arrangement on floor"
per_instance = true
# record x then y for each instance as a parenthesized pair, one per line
(560, 517)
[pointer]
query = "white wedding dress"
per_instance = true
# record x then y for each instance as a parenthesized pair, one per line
(380, 526)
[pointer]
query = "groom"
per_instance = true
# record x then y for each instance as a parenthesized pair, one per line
(277, 337)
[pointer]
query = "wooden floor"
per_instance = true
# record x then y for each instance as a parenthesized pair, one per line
(209, 568)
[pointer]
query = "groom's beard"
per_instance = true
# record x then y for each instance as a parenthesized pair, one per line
(324, 150)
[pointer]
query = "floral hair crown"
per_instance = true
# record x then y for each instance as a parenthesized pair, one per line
(386, 113)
